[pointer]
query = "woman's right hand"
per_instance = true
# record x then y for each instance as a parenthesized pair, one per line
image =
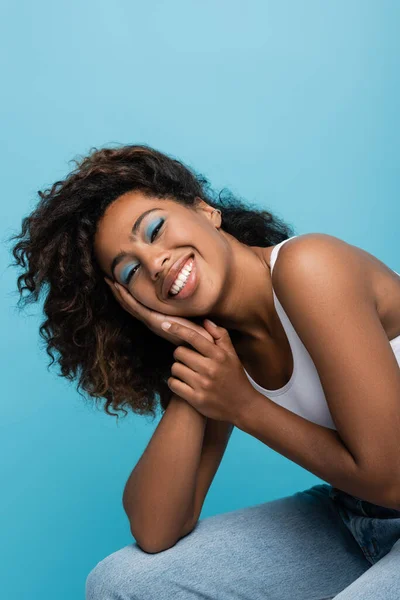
(151, 318)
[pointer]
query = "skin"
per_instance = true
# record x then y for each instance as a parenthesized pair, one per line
(342, 302)
(234, 286)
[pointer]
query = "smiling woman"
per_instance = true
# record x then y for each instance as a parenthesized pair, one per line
(109, 243)
(131, 214)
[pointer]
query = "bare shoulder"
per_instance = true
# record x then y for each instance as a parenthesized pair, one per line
(322, 257)
(311, 242)
(313, 252)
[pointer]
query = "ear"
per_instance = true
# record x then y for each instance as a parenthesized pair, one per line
(201, 205)
(214, 214)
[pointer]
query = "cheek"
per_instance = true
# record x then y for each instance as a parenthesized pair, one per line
(146, 296)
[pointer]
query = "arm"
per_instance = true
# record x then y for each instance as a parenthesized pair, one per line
(318, 449)
(158, 496)
(326, 291)
(216, 438)
(187, 469)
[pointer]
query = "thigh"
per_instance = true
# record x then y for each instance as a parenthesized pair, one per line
(296, 546)
(375, 528)
(380, 582)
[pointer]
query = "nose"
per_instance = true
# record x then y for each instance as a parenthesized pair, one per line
(157, 264)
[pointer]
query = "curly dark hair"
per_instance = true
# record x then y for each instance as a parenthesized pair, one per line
(115, 356)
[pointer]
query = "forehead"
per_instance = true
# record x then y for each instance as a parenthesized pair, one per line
(127, 207)
(120, 216)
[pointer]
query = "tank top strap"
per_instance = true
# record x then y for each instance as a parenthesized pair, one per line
(274, 253)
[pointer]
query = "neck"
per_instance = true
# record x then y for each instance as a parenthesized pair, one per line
(247, 307)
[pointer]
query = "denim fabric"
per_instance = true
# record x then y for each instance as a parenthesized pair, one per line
(316, 544)
(375, 528)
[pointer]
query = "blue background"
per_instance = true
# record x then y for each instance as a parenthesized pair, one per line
(292, 105)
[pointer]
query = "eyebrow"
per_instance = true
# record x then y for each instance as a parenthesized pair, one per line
(133, 235)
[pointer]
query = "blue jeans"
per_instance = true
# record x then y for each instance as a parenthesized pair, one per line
(316, 544)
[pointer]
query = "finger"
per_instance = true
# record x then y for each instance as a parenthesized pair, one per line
(220, 335)
(115, 292)
(185, 374)
(137, 307)
(192, 359)
(128, 302)
(195, 339)
(111, 286)
(114, 287)
(181, 389)
(108, 282)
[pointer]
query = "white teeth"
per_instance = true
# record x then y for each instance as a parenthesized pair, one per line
(177, 288)
(181, 278)
(180, 282)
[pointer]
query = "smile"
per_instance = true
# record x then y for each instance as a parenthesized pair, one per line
(185, 282)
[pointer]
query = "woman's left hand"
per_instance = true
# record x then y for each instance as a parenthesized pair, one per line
(210, 377)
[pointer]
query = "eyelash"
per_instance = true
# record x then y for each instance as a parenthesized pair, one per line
(153, 236)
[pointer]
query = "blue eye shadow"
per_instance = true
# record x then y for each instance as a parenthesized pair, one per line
(125, 272)
(152, 226)
(150, 230)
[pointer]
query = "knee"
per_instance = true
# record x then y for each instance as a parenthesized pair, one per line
(97, 586)
(125, 573)
(112, 575)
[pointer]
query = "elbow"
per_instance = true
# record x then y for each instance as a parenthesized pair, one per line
(392, 499)
(155, 544)
(153, 541)
(153, 548)
(149, 544)
(384, 492)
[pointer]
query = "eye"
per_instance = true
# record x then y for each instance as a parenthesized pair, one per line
(157, 229)
(153, 236)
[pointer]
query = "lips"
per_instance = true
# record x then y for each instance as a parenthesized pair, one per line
(173, 273)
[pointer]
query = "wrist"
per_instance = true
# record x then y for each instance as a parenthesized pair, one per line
(186, 407)
(248, 407)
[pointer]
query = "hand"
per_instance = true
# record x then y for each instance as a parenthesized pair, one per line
(210, 377)
(152, 318)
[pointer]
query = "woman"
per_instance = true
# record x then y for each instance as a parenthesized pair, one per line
(304, 356)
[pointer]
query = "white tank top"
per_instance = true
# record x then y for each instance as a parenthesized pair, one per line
(303, 394)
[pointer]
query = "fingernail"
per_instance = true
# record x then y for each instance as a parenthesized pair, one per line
(212, 323)
(165, 325)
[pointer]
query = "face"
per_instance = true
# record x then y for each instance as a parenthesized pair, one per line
(137, 249)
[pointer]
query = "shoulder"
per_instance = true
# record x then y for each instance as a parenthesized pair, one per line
(317, 274)
(324, 287)
(322, 261)
(316, 247)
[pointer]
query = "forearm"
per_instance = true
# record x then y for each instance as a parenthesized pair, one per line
(318, 449)
(216, 438)
(159, 494)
